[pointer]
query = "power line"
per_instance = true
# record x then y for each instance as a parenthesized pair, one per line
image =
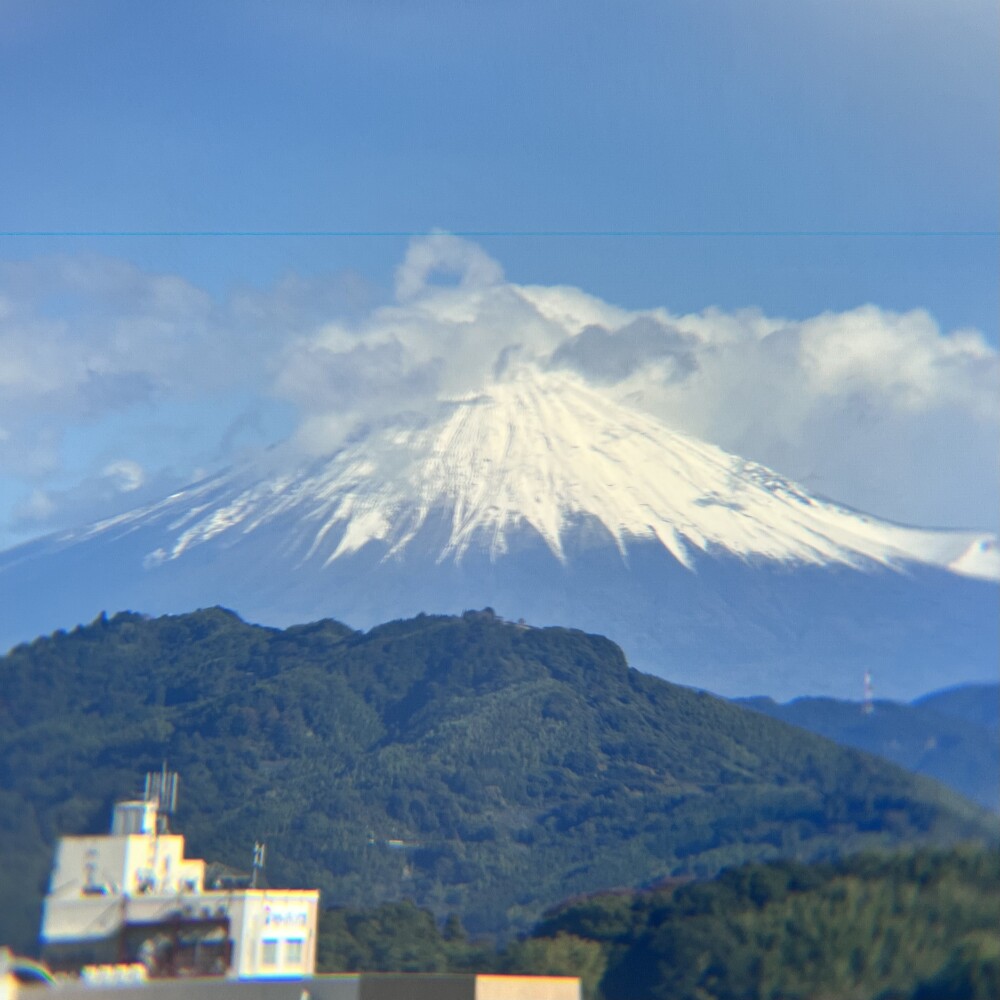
(497, 233)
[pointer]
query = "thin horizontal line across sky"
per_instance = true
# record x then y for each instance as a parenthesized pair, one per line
(484, 233)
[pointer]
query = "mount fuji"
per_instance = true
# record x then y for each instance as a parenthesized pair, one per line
(546, 500)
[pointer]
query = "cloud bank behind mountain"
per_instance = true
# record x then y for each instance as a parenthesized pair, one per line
(117, 384)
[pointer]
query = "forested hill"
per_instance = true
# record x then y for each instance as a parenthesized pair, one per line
(918, 926)
(951, 735)
(913, 925)
(470, 764)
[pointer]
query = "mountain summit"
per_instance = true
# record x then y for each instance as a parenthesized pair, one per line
(549, 501)
(541, 453)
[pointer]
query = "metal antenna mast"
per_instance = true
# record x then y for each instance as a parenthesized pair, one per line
(259, 851)
(868, 706)
(161, 787)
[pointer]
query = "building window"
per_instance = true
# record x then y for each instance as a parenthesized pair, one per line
(293, 951)
(269, 952)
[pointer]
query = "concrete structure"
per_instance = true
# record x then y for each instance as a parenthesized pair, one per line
(362, 986)
(133, 897)
(133, 916)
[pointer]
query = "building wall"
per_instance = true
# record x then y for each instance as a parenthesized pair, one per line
(102, 884)
(527, 988)
(275, 932)
(123, 864)
(375, 986)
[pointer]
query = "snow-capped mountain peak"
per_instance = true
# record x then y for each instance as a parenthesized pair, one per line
(548, 501)
(543, 451)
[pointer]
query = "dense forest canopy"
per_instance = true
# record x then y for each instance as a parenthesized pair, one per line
(910, 926)
(473, 765)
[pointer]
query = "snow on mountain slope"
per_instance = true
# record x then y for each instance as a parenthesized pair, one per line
(546, 501)
(543, 450)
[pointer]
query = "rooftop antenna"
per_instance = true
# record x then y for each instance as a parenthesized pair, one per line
(161, 788)
(259, 851)
(868, 705)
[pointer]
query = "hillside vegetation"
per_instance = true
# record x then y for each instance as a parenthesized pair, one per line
(473, 765)
(951, 735)
(913, 926)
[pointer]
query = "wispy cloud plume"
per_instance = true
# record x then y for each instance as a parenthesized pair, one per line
(878, 409)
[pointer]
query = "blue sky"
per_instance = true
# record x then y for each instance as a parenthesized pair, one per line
(876, 119)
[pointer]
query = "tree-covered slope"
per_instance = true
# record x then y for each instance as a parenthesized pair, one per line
(908, 926)
(918, 926)
(474, 765)
(949, 735)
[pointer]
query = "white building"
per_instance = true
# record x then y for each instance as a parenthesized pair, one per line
(132, 896)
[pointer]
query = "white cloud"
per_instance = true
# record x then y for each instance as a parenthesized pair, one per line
(444, 255)
(878, 409)
(92, 342)
(127, 476)
(119, 486)
(83, 338)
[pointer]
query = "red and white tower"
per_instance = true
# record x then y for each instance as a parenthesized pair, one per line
(868, 705)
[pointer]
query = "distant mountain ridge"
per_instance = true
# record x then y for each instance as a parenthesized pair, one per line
(471, 764)
(978, 704)
(951, 735)
(546, 500)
